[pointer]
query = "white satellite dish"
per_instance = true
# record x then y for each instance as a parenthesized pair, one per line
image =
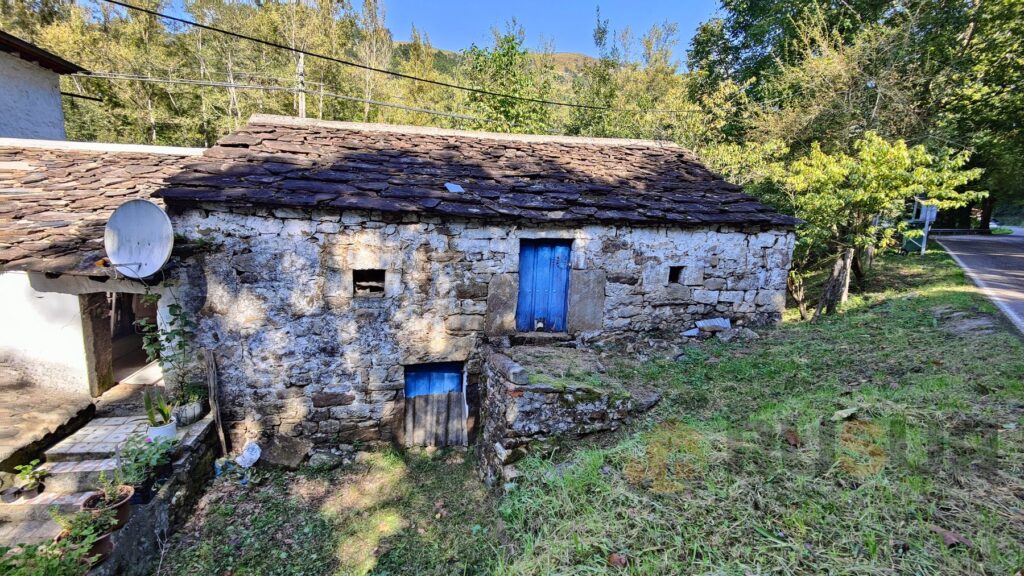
(138, 238)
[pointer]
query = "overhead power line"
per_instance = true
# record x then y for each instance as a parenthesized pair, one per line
(82, 96)
(214, 83)
(392, 72)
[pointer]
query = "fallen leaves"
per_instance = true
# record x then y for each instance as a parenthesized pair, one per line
(618, 560)
(792, 438)
(440, 511)
(951, 538)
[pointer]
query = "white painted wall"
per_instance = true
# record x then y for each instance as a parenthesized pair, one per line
(30, 105)
(41, 334)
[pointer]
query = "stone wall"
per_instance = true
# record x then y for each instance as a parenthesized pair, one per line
(517, 413)
(300, 354)
(138, 545)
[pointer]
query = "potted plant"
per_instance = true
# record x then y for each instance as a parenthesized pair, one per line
(171, 343)
(31, 478)
(10, 494)
(88, 531)
(191, 403)
(140, 461)
(65, 557)
(112, 495)
(139, 478)
(160, 415)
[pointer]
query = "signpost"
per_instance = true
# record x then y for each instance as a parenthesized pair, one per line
(924, 216)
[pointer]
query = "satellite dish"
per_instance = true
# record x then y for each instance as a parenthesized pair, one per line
(138, 238)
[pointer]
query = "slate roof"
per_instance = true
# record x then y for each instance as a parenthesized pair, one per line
(32, 53)
(55, 199)
(281, 161)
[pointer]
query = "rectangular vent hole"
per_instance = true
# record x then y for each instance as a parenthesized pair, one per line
(368, 282)
(674, 274)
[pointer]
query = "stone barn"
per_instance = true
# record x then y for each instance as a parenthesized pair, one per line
(351, 276)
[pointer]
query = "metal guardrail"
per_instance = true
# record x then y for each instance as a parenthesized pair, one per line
(960, 231)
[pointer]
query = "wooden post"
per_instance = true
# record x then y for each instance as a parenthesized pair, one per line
(211, 384)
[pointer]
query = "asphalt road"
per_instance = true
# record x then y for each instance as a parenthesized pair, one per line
(996, 265)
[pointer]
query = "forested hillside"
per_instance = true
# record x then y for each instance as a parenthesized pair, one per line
(835, 112)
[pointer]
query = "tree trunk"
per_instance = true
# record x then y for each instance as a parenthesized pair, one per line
(795, 285)
(367, 92)
(233, 110)
(152, 119)
(837, 287)
(858, 268)
(987, 205)
(300, 73)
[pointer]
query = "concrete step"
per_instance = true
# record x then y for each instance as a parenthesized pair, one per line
(98, 440)
(77, 476)
(38, 508)
(28, 532)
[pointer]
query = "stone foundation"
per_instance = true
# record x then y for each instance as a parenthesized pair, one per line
(305, 350)
(138, 545)
(516, 413)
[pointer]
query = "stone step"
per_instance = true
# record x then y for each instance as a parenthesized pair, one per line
(97, 440)
(38, 508)
(77, 476)
(542, 339)
(28, 532)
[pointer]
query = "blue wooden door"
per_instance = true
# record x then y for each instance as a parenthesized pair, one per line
(435, 405)
(543, 285)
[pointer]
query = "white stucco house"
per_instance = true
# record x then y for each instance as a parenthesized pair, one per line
(30, 99)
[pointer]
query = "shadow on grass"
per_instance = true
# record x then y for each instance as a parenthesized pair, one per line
(388, 513)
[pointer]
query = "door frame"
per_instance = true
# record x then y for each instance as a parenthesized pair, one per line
(553, 242)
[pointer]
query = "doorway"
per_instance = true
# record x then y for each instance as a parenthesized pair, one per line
(543, 285)
(129, 357)
(435, 404)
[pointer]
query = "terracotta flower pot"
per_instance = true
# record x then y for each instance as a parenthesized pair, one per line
(31, 492)
(122, 508)
(100, 549)
(143, 493)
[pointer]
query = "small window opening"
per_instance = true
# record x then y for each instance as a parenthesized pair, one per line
(674, 274)
(368, 282)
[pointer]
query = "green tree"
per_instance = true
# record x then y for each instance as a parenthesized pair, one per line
(507, 68)
(374, 48)
(596, 85)
(980, 98)
(851, 204)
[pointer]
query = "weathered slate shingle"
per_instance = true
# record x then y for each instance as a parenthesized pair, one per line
(286, 161)
(54, 202)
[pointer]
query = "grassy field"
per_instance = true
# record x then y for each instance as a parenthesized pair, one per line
(883, 441)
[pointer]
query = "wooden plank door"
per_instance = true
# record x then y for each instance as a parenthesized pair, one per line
(543, 285)
(435, 405)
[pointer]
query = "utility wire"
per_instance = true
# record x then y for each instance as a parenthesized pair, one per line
(391, 72)
(82, 96)
(214, 83)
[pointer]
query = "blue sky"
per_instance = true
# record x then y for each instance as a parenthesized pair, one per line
(568, 24)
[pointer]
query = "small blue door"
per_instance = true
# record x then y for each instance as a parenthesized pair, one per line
(435, 405)
(434, 378)
(543, 285)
